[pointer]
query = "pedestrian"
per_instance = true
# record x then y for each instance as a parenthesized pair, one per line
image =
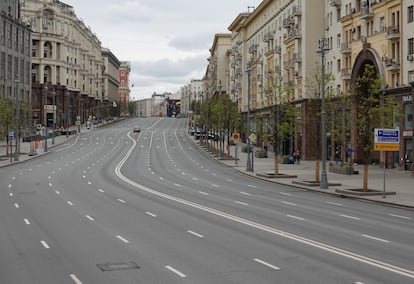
(298, 157)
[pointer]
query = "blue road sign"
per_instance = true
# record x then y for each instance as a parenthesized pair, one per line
(11, 134)
(387, 135)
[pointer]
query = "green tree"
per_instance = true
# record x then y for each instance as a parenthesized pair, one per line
(373, 108)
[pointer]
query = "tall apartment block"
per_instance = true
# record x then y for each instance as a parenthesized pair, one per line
(277, 43)
(15, 64)
(67, 64)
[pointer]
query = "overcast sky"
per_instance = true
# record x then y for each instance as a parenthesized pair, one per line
(166, 41)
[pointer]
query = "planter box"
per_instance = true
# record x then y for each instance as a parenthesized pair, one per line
(342, 170)
(260, 154)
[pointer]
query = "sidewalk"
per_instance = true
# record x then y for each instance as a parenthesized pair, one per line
(396, 181)
(26, 150)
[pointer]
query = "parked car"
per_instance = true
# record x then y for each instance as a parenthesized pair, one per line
(137, 129)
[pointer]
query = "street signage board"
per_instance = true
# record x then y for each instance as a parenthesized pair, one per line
(386, 139)
(235, 136)
(252, 137)
(11, 134)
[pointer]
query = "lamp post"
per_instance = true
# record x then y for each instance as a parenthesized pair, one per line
(54, 114)
(45, 89)
(17, 118)
(221, 128)
(67, 113)
(322, 49)
(249, 167)
(208, 147)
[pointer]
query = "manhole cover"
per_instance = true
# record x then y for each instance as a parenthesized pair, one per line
(114, 266)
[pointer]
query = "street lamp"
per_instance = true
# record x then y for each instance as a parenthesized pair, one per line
(67, 113)
(45, 89)
(54, 119)
(323, 47)
(249, 167)
(17, 117)
(221, 130)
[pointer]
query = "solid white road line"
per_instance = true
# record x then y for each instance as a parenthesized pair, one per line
(375, 238)
(350, 217)
(45, 245)
(266, 264)
(272, 230)
(182, 275)
(195, 234)
(75, 279)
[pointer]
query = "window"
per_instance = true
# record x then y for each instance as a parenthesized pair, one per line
(408, 114)
(410, 15)
(410, 48)
(382, 24)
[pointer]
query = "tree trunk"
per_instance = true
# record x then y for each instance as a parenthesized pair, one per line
(365, 181)
(276, 163)
(317, 165)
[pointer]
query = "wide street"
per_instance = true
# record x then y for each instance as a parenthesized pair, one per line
(114, 206)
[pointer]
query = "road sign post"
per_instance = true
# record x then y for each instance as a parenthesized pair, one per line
(386, 139)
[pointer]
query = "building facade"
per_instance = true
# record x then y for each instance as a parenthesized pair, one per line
(111, 84)
(124, 91)
(272, 58)
(67, 64)
(15, 65)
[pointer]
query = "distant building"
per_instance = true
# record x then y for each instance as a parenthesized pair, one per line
(124, 90)
(110, 84)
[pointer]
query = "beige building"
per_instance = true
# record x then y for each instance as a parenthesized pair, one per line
(276, 46)
(67, 63)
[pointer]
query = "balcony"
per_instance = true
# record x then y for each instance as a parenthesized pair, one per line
(278, 49)
(253, 48)
(335, 3)
(392, 64)
(296, 11)
(297, 57)
(346, 74)
(292, 34)
(345, 49)
(268, 36)
(393, 32)
(366, 13)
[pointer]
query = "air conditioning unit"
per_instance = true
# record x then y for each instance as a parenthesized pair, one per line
(410, 57)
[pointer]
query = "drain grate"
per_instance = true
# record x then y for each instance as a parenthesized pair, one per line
(115, 266)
